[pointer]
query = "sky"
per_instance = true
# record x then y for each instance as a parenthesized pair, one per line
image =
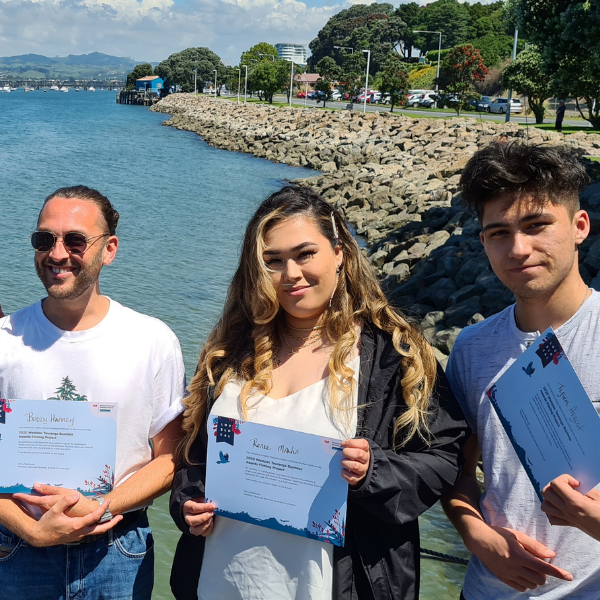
(151, 30)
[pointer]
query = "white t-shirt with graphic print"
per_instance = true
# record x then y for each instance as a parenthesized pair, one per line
(128, 358)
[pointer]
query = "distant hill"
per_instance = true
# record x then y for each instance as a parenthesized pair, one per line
(95, 65)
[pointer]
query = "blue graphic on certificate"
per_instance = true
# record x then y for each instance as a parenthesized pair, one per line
(277, 478)
(548, 416)
(64, 444)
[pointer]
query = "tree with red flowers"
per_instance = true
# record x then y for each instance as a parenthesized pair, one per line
(461, 68)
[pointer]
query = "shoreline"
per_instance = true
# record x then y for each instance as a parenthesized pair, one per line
(395, 179)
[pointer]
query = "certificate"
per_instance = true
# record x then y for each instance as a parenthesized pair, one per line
(60, 443)
(548, 416)
(277, 478)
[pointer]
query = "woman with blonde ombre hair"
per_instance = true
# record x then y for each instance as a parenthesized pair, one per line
(307, 341)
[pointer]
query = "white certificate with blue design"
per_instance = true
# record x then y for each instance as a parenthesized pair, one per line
(65, 444)
(548, 416)
(277, 478)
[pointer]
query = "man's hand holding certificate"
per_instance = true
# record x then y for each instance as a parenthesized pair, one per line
(548, 416)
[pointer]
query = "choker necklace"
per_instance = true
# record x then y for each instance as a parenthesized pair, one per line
(585, 297)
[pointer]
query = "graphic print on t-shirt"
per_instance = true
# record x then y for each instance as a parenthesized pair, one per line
(67, 391)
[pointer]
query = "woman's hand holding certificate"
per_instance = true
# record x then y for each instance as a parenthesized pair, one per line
(356, 461)
(199, 516)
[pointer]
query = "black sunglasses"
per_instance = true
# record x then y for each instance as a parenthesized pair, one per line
(74, 243)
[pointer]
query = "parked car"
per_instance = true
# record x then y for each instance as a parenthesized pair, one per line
(300, 94)
(483, 104)
(311, 95)
(374, 97)
(413, 99)
(336, 95)
(499, 105)
(428, 100)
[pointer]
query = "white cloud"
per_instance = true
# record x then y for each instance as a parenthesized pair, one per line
(153, 29)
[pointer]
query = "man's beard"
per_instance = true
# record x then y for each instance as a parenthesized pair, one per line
(82, 282)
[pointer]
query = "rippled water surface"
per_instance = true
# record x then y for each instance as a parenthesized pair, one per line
(183, 208)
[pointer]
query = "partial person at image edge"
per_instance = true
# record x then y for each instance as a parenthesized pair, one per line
(108, 353)
(527, 200)
(397, 460)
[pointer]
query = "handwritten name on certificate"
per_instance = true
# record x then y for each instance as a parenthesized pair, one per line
(65, 444)
(277, 478)
(548, 416)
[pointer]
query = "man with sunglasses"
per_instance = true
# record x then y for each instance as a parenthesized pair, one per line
(78, 345)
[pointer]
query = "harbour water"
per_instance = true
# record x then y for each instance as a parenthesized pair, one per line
(183, 209)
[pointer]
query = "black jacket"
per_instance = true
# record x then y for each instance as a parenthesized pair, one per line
(380, 559)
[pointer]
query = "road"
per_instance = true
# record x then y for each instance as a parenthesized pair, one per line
(428, 113)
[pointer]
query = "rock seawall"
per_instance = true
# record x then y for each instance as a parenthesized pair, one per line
(395, 178)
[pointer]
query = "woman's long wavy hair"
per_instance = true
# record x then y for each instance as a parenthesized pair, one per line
(243, 344)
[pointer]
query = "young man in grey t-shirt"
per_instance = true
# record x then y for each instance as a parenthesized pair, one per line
(527, 201)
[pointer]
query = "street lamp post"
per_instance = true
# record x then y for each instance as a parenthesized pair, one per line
(437, 75)
(195, 78)
(245, 83)
(366, 80)
(239, 81)
(215, 82)
(507, 118)
(269, 55)
(291, 83)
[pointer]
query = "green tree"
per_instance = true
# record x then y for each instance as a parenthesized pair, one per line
(394, 81)
(254, 54)
(178, 68)
(461, 68)
(329, 71)
(411, 14)
(495, 48)
(266, 77)
(448, 16)
(568, 35)
(139, 71)
(526, 75)
(357, 27)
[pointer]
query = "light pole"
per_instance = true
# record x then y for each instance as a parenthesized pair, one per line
(245, 83)
(437, 75)
(507, 118)
(306, 95)
(239, 81)
(291, 83)
(269, 55)
(345, 48)
(366, 80)
(195, 78)
(215, 82)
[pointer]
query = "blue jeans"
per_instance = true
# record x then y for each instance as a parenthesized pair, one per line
(117, 567)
